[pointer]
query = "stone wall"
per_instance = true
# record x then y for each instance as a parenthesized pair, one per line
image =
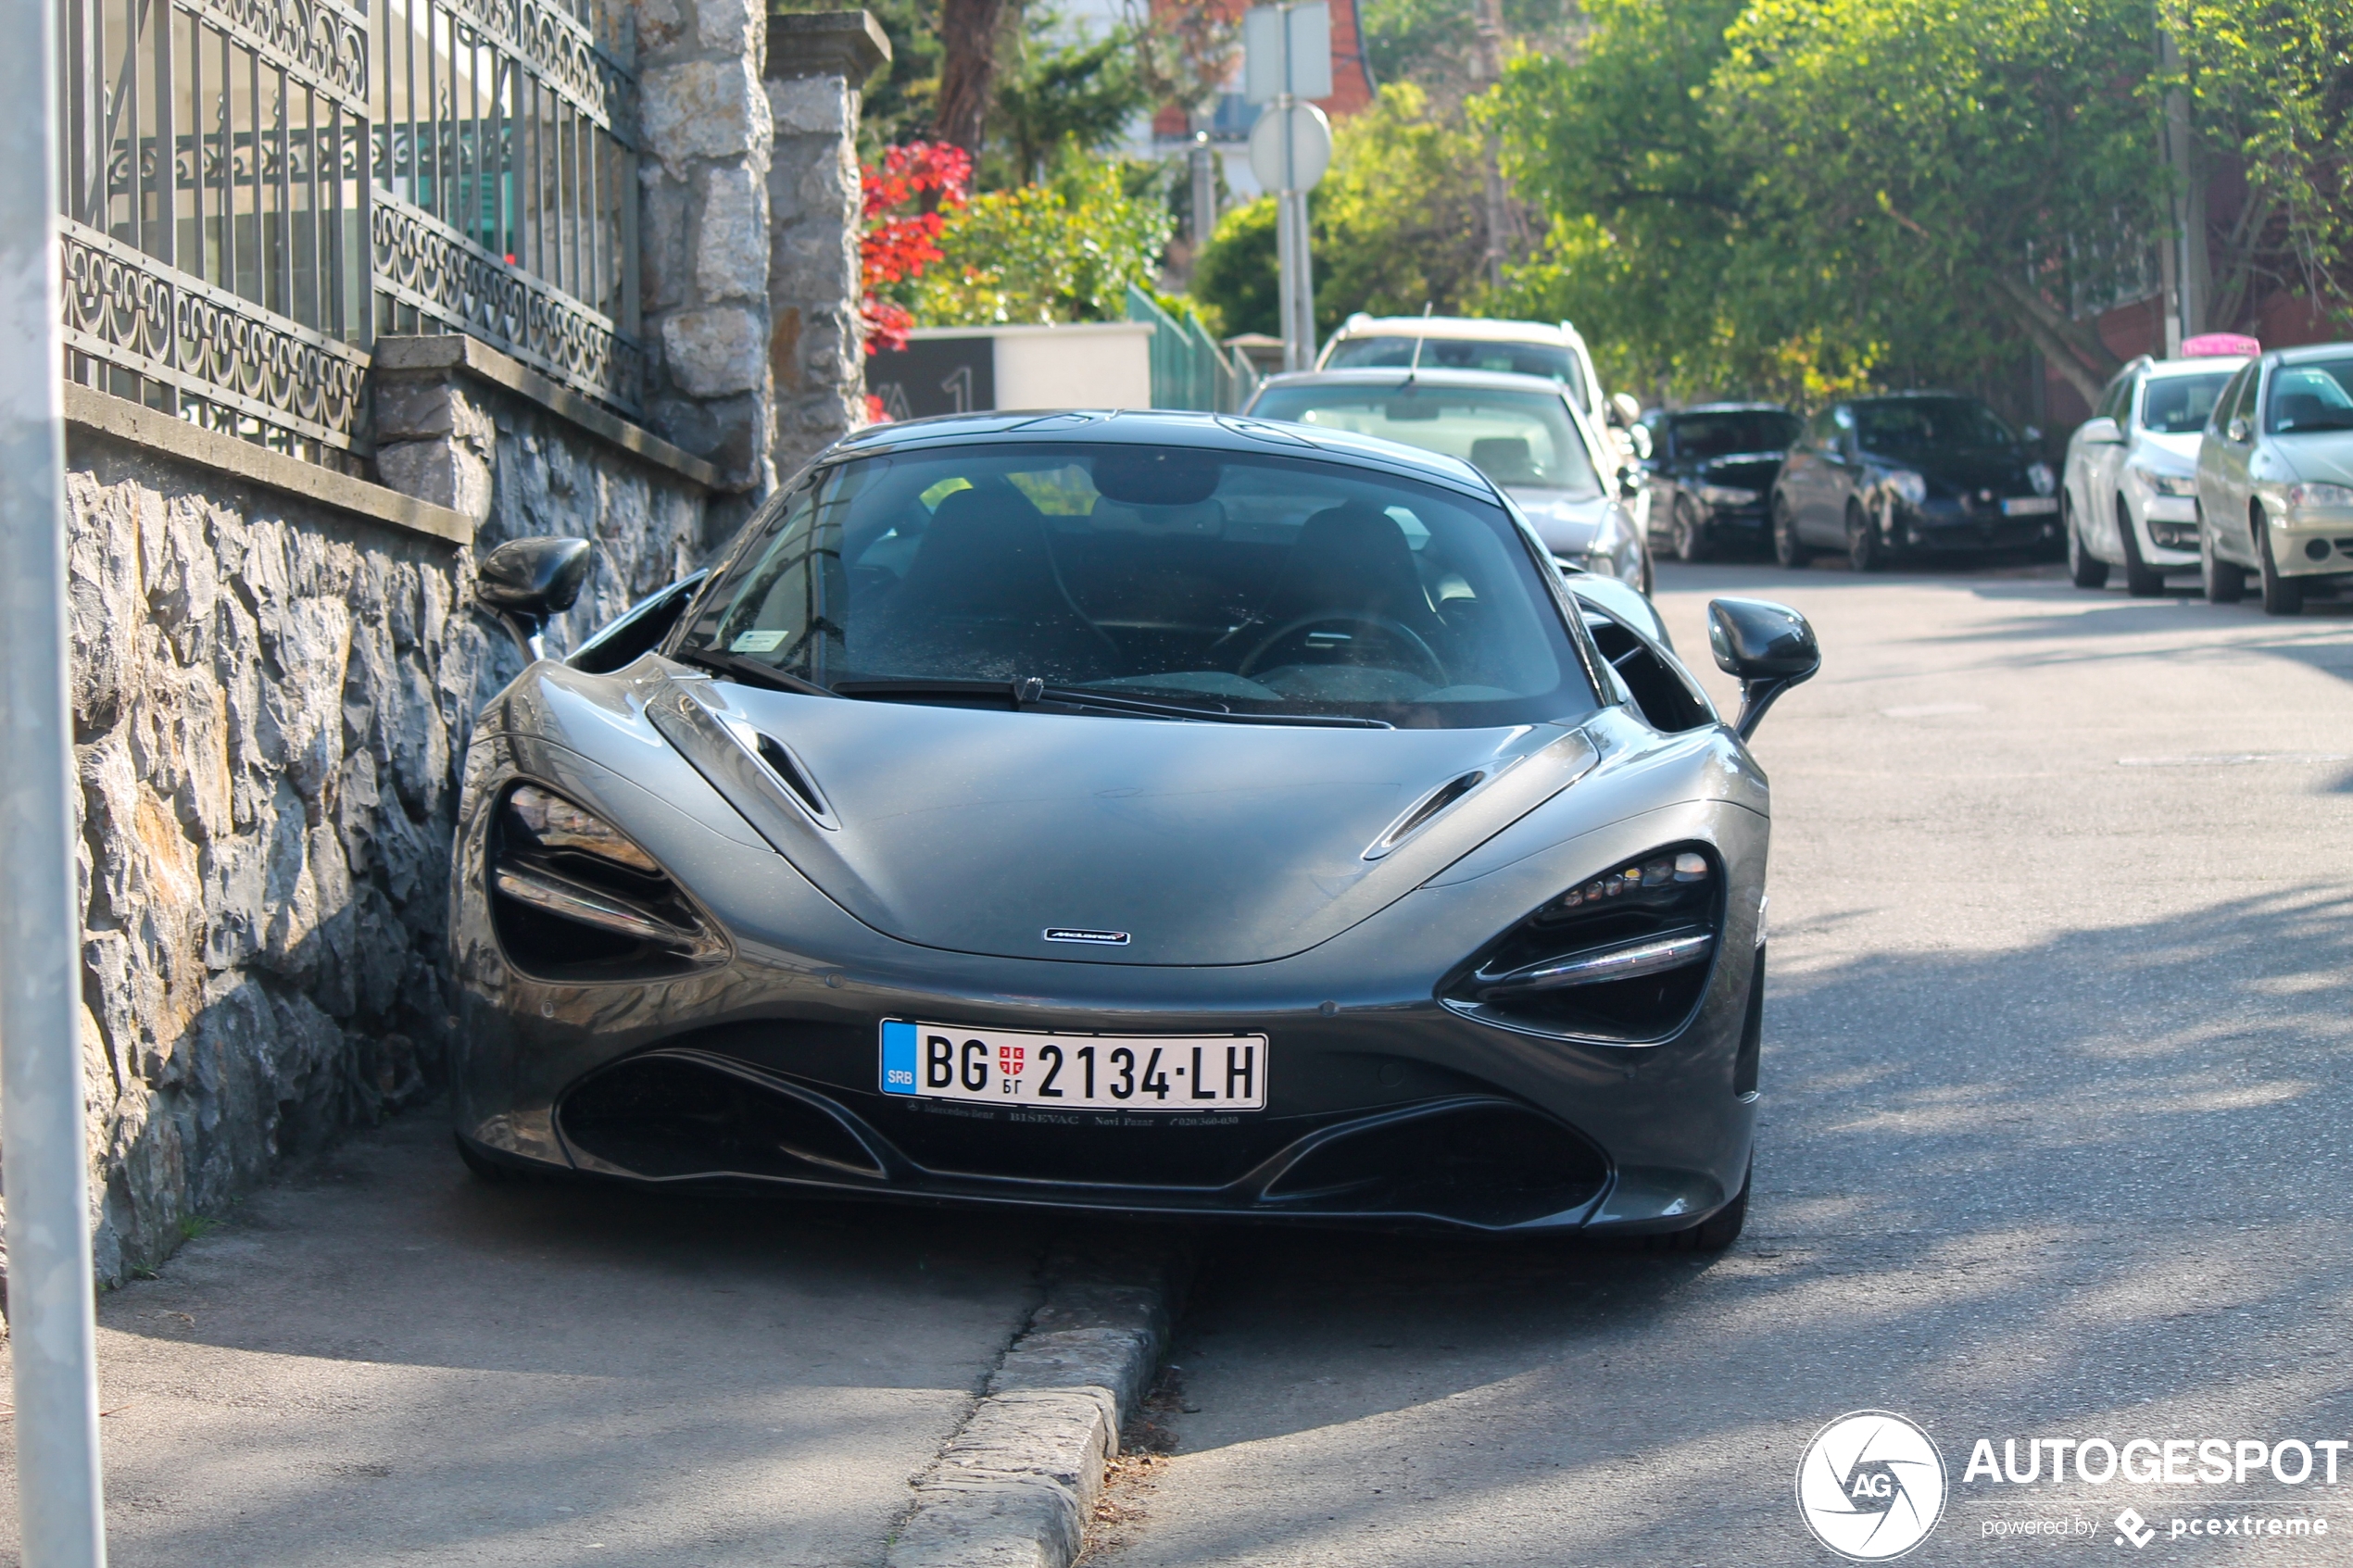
(817, 63)
(271, 696)
(276, 667)
(703, 227)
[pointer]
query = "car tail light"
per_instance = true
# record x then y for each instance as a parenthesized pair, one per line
(576, 898)
(1621, 957)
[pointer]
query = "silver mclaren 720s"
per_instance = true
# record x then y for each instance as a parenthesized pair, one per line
(1137, 813)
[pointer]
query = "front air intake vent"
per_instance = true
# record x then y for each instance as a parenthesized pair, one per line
(1423, 813)
(1622, 958)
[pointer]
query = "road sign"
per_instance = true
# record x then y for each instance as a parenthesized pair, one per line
(1296, 160)
(1287, 52)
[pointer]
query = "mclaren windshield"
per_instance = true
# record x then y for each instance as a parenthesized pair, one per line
(1144, 580)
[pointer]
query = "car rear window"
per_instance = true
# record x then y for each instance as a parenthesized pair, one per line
(1554, 361)
(1930, 424)
(1247, 584)
(2181, 405)
(1522, 439)
(1733, 432)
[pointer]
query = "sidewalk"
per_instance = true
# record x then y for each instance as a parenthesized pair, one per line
(385, 1361)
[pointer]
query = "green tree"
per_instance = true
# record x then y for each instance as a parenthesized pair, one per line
(1793, 194)
(2272, 89)
(1063, 250)
(1394, 224)
(1234, 273)
(1062, 95)
(1979, 168)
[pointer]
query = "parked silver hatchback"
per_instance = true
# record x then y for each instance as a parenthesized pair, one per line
(2275, 478)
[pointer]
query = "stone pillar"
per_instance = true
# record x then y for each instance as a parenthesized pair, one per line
(818, 63)
(703, 226)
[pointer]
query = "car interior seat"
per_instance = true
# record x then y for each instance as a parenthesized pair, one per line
(983, 598)
(1505, 460)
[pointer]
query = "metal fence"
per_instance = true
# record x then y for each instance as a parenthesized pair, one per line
(1190, 368)
(253, 189)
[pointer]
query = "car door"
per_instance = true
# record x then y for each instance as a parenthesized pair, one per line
(1824, 521)
(2095, 500)
(2224, 489)
(1801, 470)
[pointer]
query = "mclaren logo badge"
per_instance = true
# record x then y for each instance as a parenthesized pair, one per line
(1093, 938)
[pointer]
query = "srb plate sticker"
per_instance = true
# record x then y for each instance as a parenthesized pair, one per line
(1169, 1072)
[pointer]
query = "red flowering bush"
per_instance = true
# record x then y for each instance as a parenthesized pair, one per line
(906, 205)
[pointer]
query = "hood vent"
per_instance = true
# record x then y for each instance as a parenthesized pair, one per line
(791, 775)
(1423, 813)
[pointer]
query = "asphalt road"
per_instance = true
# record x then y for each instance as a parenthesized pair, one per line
(381, 1361)
(2054, 1140)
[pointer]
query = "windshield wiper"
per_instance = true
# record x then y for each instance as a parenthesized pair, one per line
(1023, 694)
(749, 670)
(1080, 697)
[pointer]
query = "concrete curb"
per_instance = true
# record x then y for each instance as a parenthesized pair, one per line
(1016, 1485)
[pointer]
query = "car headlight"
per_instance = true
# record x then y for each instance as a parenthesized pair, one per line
(1909, 486)
(575, 898)
(1622, 956)
(2320, 496)
(2040, 476)
(1727, 496)
(2182, 486)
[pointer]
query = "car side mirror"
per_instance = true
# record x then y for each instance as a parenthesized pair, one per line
(1770, 648)
(2236, 430)
(526, 583)
(2102, 431)
(1624, 411)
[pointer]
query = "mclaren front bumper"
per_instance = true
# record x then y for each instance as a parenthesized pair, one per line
(760, 1062)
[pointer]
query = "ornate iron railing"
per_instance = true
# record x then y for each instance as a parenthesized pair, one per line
(253, 189)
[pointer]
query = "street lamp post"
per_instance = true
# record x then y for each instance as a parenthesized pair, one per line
(43, 1154)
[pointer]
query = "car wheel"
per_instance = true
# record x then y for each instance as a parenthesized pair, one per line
(1690, 534)
(2140, 580)
(2084, 568)
(2223, 583)
(1862, 541)
(2281, 596)
(1786, 548)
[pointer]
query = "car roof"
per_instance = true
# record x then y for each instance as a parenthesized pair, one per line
(1909, 394)
(1481, 328)
(1168, 427)
(2157, 370)
(2305, 353)
(1396, 375)
(1725, 409)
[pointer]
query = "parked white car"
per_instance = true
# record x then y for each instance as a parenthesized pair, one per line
(1555, 351)
(2129, 491)
(2275, 477)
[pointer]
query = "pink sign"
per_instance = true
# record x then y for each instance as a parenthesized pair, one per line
(2212, 346)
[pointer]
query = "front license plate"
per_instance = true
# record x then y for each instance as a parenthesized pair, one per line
(1198, 1073)
(2029, 505)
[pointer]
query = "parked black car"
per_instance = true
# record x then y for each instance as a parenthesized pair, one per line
(1913, 472)
(1711, 470)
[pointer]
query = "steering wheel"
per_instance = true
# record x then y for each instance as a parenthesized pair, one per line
(1427, 663)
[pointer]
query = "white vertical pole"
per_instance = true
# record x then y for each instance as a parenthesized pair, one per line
(43, 1162)
(1305, 305)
